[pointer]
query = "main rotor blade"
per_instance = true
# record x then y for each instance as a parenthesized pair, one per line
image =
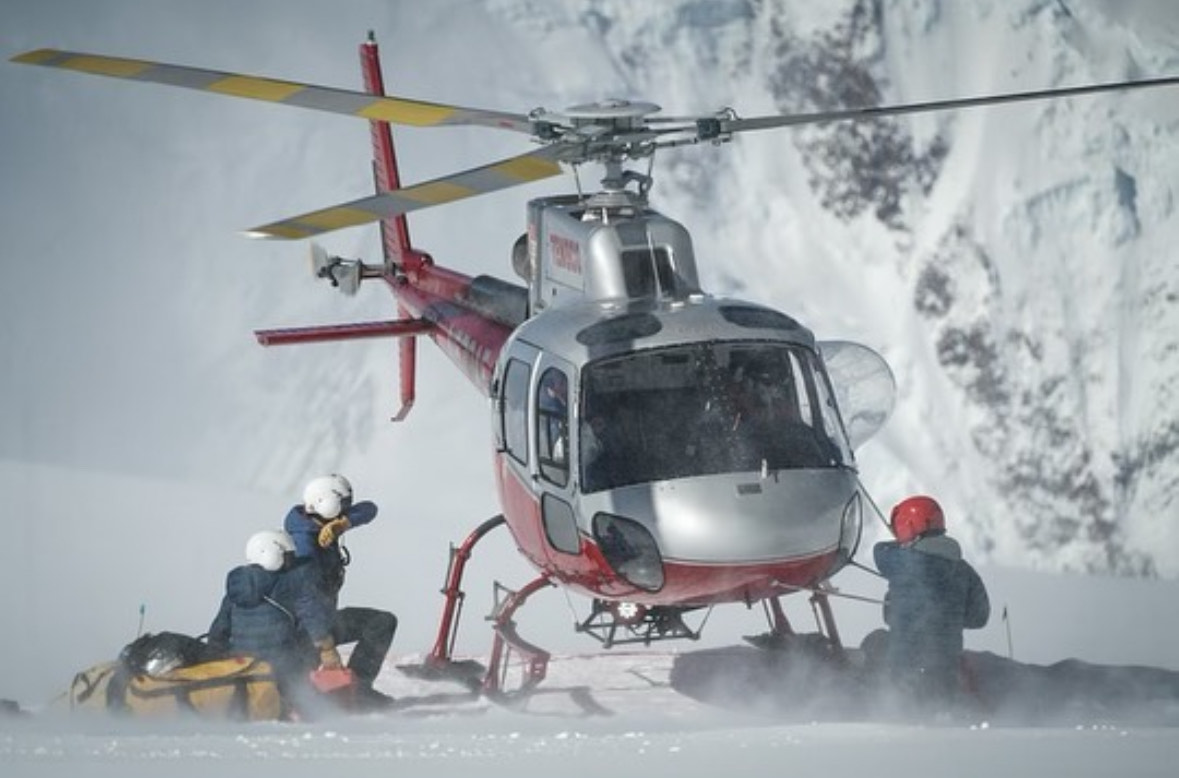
(504, 174)
(320, 98)
(870, 112)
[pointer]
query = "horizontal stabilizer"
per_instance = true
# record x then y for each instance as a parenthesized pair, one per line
(396, 110)
(330, 332)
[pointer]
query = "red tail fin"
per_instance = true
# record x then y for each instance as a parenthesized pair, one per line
(394, 229)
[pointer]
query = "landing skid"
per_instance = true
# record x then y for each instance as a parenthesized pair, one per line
(534, 660)
(441, 656)
(610, 623)
(465, 672)
(782, 637)
(491, 680)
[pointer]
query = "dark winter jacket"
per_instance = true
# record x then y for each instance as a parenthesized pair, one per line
(330, 561)
(273, 615)
(933, 594)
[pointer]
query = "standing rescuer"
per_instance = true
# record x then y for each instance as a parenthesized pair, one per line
(315, 526)
(933, 595)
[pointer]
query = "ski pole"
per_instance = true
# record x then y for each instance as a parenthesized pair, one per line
(1007, 626)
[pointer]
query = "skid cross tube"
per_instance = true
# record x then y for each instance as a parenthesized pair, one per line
(823, 614)
(443, 652)
(779, 623)
(536, 659)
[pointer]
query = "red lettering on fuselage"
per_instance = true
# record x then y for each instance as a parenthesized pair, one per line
(566, 253)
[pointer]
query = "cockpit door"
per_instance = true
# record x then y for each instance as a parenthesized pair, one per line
(553, 401)
(533, 399)
(511, 418)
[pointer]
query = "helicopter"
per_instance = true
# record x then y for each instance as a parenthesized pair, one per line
(658, 449)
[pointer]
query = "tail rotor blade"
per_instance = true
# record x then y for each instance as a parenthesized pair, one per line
(319, 260)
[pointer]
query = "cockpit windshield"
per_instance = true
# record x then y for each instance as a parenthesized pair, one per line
(706, 408)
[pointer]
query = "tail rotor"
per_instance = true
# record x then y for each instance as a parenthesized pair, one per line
(343, 274)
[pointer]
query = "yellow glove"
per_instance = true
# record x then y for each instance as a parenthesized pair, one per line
(332, 530)
(329, 657)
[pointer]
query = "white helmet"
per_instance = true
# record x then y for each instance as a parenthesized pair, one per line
(327, 496)
(268, 547)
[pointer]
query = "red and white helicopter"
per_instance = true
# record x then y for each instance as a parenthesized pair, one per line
(656, 448)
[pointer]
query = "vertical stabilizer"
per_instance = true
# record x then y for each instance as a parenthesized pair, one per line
(394, 229)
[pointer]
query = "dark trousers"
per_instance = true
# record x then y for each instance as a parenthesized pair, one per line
(372, 631)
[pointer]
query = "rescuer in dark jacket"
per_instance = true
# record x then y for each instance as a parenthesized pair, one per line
(274, 610)
(933, 595)
(316, 526)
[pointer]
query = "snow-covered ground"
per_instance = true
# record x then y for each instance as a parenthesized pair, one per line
(682, 741)
(616, 711)
(613, 713)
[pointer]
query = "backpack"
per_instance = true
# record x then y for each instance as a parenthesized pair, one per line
(169, 673)
(158, 654)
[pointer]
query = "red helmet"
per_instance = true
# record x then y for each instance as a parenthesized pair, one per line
(916, 516)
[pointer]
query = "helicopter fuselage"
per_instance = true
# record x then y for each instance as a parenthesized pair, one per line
(654, 443)
(696, 455)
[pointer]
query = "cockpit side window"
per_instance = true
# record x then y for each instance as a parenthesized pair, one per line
(552, 426)
(515, 410)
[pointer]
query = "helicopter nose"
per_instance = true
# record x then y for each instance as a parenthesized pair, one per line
(739, 518)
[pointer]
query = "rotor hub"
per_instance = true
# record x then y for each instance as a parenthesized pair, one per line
(612, 110)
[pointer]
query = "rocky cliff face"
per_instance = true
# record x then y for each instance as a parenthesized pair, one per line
(1027, 250)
